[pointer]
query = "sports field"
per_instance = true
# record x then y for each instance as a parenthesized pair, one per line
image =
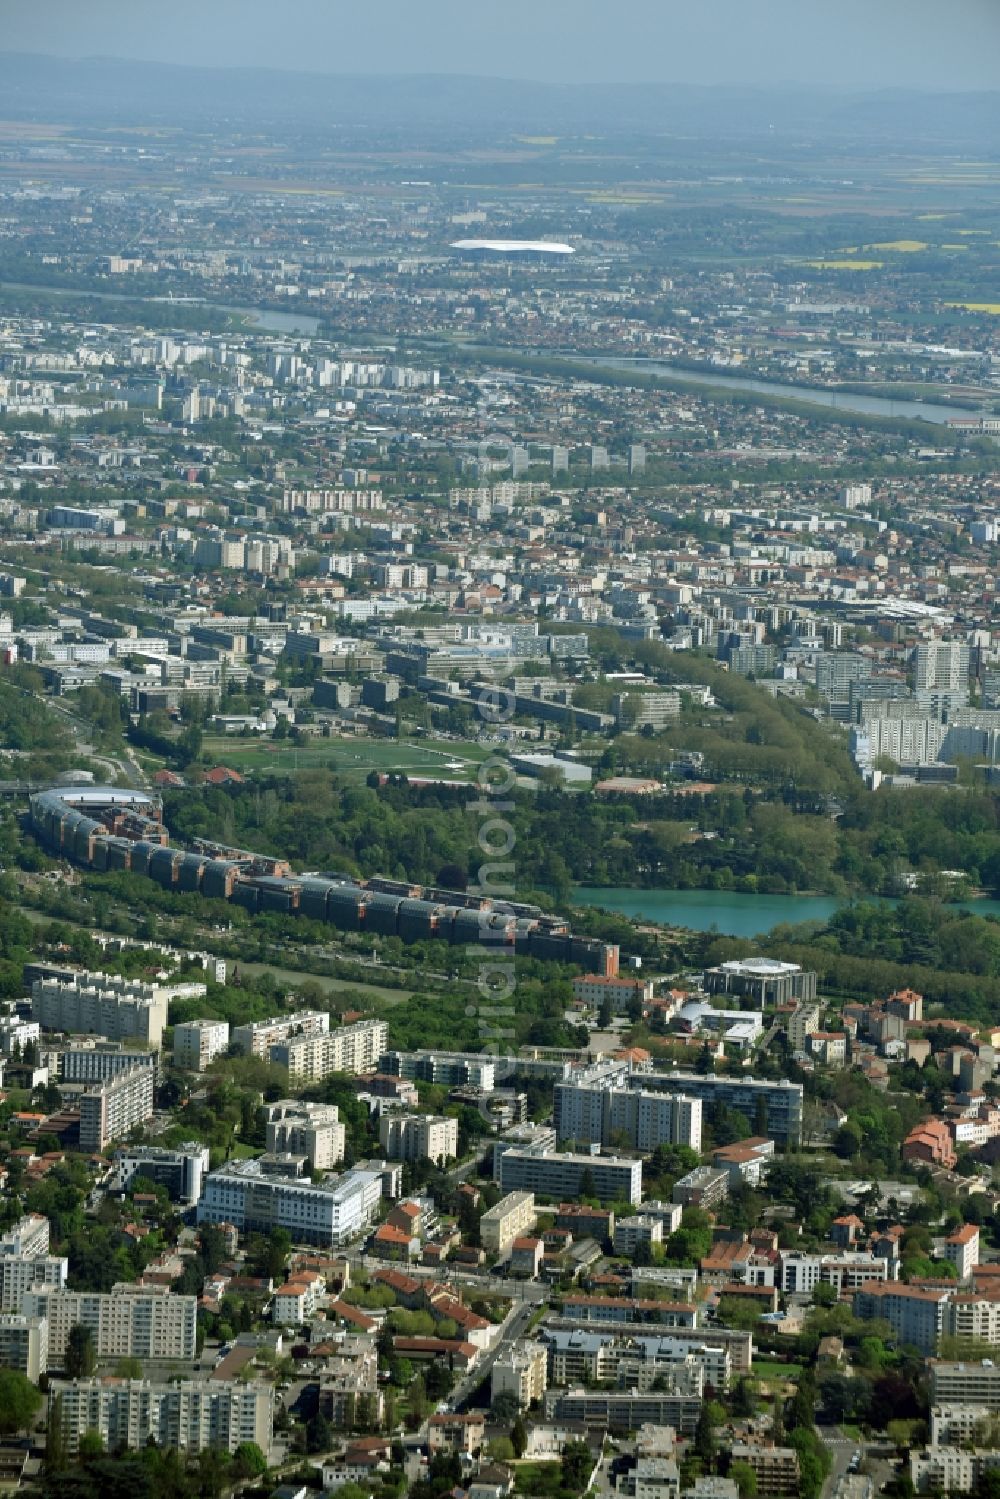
(350, 757)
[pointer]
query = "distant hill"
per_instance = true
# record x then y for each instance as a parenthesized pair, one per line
(106, 91)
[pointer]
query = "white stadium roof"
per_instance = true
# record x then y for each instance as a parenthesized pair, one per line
(515, 246)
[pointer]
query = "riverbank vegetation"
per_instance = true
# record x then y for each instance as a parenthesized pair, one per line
(868, 950)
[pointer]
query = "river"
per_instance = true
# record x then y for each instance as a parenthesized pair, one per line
(730, 913)
(266, 319)
(927, 411)
(269, 321)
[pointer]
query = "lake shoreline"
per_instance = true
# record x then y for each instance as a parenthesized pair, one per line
(732, 913)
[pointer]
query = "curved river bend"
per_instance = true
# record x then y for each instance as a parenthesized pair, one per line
(843, 400)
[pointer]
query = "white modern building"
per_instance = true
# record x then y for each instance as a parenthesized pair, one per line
(801, 1273)
(181, 1171)
(595, 1115)
(20, 1270)
(972, 1383)
(941, 664)
(764, 981)
(915, 1314)
(28, 1237)
(326, 1213)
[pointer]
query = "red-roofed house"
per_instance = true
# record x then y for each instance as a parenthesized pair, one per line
(394, 1243)
(931, 1142)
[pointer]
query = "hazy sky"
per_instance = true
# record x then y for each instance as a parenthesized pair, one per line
(854, 43)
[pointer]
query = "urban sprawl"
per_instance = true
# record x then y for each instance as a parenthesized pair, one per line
(499, 823)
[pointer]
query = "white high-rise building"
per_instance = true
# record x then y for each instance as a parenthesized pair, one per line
(418, 1137)
(28, 1237)
(103, 1004)
(627, 1116)
(191, 1415)
(256, 1038)
(130, 1321)
(351, 1049)
(24, 1344)
(110, 1110)
(942, 664)
(310, 1129)
(198, 1042)
(26, 1262)
(19, 1275)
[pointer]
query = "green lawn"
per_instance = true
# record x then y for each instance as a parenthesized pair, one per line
(531, 1476)
(353, 758)
(770, 1369)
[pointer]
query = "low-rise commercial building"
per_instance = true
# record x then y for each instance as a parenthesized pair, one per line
(180, 1171)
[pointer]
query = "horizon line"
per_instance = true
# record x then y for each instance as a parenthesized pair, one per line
(832, 90)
